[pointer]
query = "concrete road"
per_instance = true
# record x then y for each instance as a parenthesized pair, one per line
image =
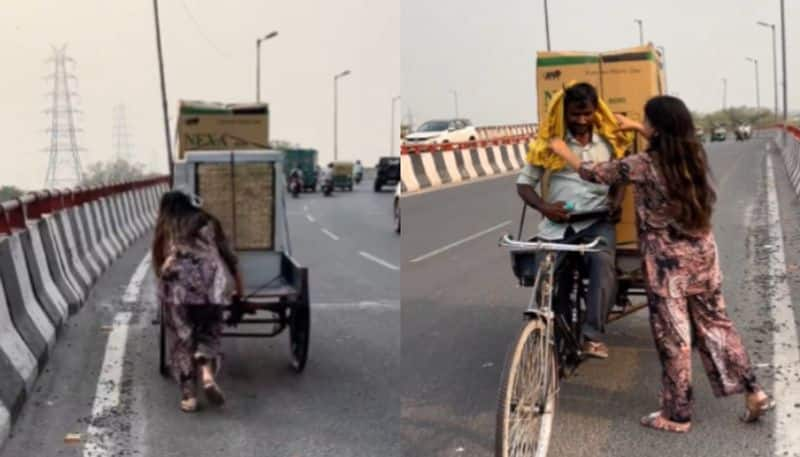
(461, 309)
(346, 403)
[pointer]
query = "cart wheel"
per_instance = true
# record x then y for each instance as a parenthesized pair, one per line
(162, 344)
(299, 333)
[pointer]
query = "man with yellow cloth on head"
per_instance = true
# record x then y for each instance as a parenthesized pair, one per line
(577, 115)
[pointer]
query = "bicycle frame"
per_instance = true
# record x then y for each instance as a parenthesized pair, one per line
(543, 288)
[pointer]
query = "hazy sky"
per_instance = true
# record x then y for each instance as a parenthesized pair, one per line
(485, 50)
(209, 50)
(422, 49)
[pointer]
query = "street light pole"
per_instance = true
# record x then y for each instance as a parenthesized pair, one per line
(163, 93)
(724, 93)
(336, 113)
(455, 101)
(783, 46)
(258, 62)
(547, 24)
(641, 31)
(774, 63)
(758, 97)
(391, 150)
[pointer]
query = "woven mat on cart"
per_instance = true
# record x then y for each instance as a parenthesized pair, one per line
(243, 200)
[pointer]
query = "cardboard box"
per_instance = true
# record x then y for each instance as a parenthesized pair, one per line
(209, 126)
(625, 79)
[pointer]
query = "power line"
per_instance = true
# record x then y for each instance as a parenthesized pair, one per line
(202, 33)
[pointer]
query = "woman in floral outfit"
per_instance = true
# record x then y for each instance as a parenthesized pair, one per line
(674, 200)
(197, 276)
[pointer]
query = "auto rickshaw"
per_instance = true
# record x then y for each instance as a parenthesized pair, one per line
(343, 175)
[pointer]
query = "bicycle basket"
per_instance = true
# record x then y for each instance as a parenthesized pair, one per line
(524, 265)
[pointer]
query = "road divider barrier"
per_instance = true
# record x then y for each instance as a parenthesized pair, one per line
(791, 155)
(495, 132)
(434, 165)
(54, 245)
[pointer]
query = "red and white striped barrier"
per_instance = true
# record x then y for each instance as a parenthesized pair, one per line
(494, 132)
(428, 166)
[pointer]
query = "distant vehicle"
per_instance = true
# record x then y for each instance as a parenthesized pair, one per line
(719, 134)
(700, 133)
(327, 186)
(443, 131)
(743, 132)
(358, 172)
(295, 184)
(387, 172)
(343, 175)
(397, 209)
(305, 160)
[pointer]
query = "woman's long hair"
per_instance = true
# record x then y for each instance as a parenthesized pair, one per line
(180, 221)
(682, 162)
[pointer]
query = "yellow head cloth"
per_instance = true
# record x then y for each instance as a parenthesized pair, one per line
(605, 125)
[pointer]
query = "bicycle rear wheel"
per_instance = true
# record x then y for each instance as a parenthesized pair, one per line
(527, 396)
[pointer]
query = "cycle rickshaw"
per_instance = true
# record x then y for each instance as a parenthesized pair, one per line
(244, 189)
(548, 346)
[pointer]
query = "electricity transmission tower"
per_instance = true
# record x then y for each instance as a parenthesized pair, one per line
(64, 165)
(120, 135)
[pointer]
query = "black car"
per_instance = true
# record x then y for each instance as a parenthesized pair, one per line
(387, 172)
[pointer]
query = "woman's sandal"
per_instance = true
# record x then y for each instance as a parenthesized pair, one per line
(755, 405)
(189, 405)
(188, 396)
(657, 421)
(213, 392)
(210, 387)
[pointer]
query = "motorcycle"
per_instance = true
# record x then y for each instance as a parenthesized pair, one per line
(327, 187)
(295, 185)
(358, 176)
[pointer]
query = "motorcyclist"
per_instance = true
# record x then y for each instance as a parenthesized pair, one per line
(327, 176)
(358, 170)
(327, 173)
(296, 174)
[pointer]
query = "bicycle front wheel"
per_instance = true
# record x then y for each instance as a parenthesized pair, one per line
(527, 397)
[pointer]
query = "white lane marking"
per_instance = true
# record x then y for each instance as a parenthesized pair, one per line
(785, 343)
(5, 424)
(99, 438)
(389, 305)
(378, 260)
(330, 234)
(134, 286)
(310, 218)
(459, 242)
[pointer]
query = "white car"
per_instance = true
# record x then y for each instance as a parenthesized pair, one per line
(443, 131)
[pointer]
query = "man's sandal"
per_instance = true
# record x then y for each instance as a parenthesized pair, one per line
(755, 405)
(657, 421)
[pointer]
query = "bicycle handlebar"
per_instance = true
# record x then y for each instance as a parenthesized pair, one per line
(507, 241)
